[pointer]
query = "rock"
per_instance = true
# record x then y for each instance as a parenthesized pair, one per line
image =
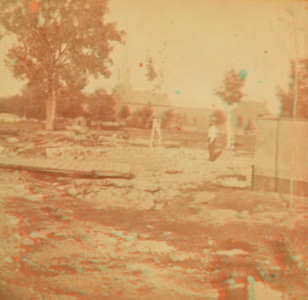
(8, 259)
(121, 182)
(233, 182)
(144, 235)
(12, 140)
(119, 192)
(2, 149)
(146, 186)
(73, 191)
(35, 197)
(203, 197)
(133, 195)
(159, 206)
(232, 252)
(27, 242)
(37, 234)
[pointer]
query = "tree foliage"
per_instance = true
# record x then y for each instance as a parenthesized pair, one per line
(58, 39)
(240, 122)
(134, 120)
(287, 97)
(151, 73)
(181, 120)
(101, 107)
(219, 116)
(250, 126)
(230, 90)
(145, 115)
(124, 113)
(72, 98)
(167, 119)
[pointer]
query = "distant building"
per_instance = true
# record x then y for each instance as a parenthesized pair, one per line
(192, 118)
(245, 115)
(125, 95)
(137, 100)
(9, 118)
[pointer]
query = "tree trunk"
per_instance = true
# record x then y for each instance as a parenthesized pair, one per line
(51, 106)
(229, 130)
(230, 127)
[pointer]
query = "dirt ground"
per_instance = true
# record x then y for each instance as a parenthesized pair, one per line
(182, 228)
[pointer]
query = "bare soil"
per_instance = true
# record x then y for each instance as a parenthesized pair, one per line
(199, 233)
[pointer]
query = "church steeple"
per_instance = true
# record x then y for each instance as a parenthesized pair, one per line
(123, 70)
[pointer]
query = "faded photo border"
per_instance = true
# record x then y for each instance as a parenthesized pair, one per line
(153, 149)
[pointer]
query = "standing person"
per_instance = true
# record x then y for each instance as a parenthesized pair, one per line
(212, 138)
(156, 127)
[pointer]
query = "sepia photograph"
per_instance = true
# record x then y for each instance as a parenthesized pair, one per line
(153, 150)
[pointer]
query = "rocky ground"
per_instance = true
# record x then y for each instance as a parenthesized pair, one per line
(182, 228)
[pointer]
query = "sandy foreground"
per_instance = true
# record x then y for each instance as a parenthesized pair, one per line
(183, 228)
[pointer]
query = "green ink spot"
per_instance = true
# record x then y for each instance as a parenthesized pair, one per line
(272, 30)
(36, 21)
(242, 74)
(273, 275)
(165, 43)
(260, 81)
(178, 92)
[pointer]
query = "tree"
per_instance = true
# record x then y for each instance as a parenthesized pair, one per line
(101, 107)
(13, 105)
(250, 126)
(31, 96)
(134, 120)
(72, 98)
(231, 89)
(219, 116)
(296, 71)
(155, 77)
(145, 115)
(194, 122)
(240, 122)
(287, 98)
(231, 94)
(167, 119)
(124, 113)
(58, 38)
(151, 73)
(185, 120)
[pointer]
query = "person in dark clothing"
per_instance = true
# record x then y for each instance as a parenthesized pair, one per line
(212, 139)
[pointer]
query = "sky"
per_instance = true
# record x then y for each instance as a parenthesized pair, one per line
(201, 41)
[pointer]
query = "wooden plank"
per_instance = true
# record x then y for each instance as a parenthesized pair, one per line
(83, 167)
(116, 167)
(125, 169)
(94, 165)
(89, 166)
(45, 164)
(108, 167)
(103, 168)
(56, 165)
(119, 168)
(67, 165)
